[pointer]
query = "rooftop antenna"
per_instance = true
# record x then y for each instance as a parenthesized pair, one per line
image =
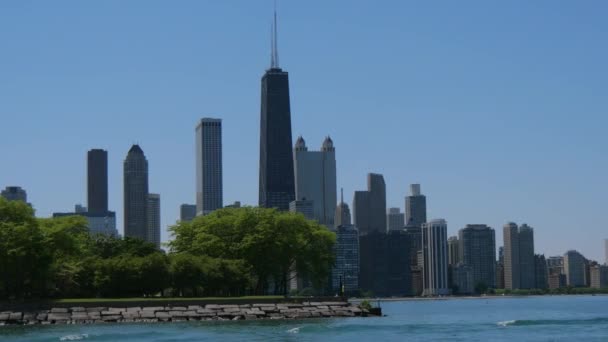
(274, 59)
(341, 195)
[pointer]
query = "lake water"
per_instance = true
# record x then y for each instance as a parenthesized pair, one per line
(565, 318)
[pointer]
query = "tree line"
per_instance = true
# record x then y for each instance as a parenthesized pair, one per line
(231, 252)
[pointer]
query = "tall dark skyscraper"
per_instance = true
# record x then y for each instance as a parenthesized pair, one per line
(97, 181)
(209, 188)
(277, 186)
(136, 194)
(369, 207)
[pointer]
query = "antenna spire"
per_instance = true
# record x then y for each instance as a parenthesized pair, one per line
(341, 195)
(274, 55)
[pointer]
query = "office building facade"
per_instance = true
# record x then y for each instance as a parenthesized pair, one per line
(315, 179)
(97, 181)
(153, 212)
(519, 266)
(14, 193)
(345, 272)
(435, 258)
(453, 250)
(541, 275)
(415, 207)
(209, 173)
(395, 219)
(369, 207)
(477, 248)
(599, 276)
(135, 178)
(304, 207)
(187, 212)
(574, 268)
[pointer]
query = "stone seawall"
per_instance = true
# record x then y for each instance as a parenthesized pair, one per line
(208, 312)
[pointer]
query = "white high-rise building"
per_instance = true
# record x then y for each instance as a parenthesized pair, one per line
(435, 258)
(315, 178)
(153, 211)
(209, 187)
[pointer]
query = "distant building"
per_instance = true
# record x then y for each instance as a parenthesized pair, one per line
(415, 207)
(574, 267)
(135, 178)
(187, 212)
(453, 250)
(14, 193)
(599, 276)
(304, 207)
(346, 267)
(414, 234)
(557, 263)
(519, 256)
(434, 247)
(540, 272)
(478, 249)
(315, 179)
(153, 211)
(463, 279)
(395, 219)
(500, 268)
(97, 181)
(209, 186)
(342, 212)
(606, 251)
(369, 207)
(97, 223)
(384, 262)
(235, 204)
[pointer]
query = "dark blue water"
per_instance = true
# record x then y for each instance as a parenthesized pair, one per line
(567, 318)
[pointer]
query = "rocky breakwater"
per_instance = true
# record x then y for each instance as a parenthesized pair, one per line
(208, 312)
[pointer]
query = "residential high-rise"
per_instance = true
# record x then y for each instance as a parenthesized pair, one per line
(187, 212)
(153, 211)
(136, 194)
(462, 278)
(315, 178)
(606, 251)
(209, 186)
(373, 263)
(599, 276)
(415, 207)
(369, 207)
(526, 257)
(346, 266)
(478, 250)
(14, 193)
(574, 268)
(435, 257)
(97, 181)
(342, 212)
(399, 273)
(453, 250)
(395, 219)
(414, 234)
(276, 186)
(511, 255)
(540, 272)
(500, 268)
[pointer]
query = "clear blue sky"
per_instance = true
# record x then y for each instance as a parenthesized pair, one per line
(499, 109)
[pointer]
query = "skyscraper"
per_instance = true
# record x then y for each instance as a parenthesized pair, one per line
(526, 257)
(478, 250)
(315, 178)
(209, 187)
(276, 186)
(136, 194)
(369, 207)
(14, 193)
(415, 207)
(346, 267)
(511, 255)
(97, 181)
(395, 219)
(453, 250)
(606, 251)
(342, 212)
(574, 267)
(187, 212)
(304, 207)
(153, 234)
(435, 258)
(540, 272)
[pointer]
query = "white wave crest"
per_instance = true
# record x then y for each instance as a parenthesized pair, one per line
(75, 337)
(506, 323)
(294, 330)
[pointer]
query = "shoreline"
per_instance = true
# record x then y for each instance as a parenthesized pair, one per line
(208, 312)
(414, 299)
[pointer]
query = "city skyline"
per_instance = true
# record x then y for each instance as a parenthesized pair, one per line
(516, 193)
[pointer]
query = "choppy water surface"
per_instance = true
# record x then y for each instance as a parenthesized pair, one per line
(567, 318)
